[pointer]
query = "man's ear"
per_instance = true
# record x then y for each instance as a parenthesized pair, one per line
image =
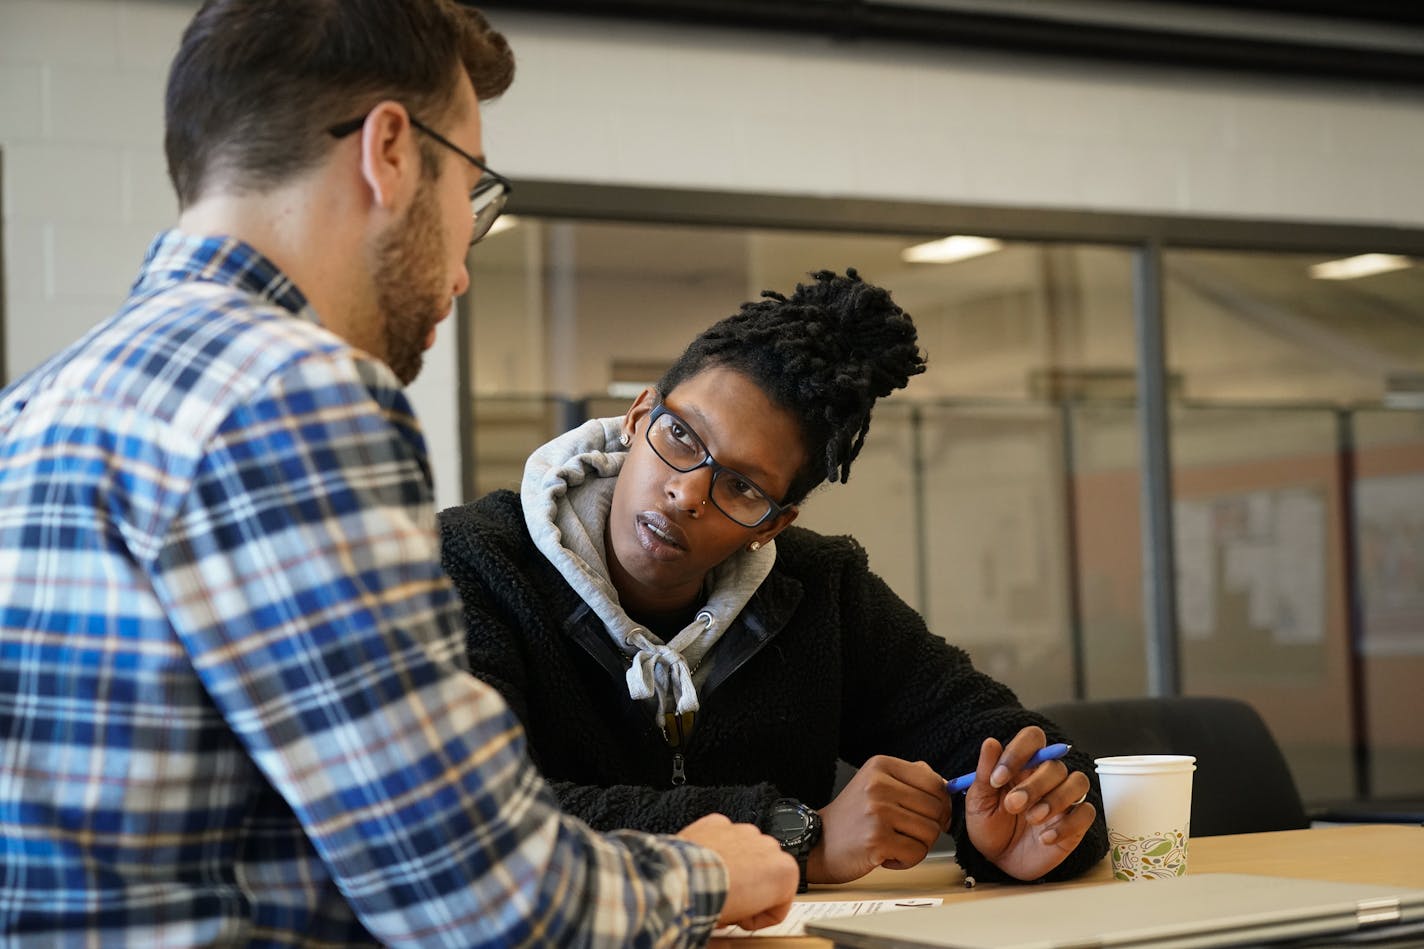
(390, 160)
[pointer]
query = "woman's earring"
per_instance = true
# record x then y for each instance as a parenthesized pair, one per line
(754, 545)
(625, 440)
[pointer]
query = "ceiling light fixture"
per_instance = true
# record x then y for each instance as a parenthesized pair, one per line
(947, 250)
(1362, 265)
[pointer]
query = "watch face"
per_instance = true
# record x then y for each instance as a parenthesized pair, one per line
(788, 823)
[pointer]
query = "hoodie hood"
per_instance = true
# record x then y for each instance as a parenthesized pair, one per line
(566, 494)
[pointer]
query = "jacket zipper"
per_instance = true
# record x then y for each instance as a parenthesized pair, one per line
(679, 776)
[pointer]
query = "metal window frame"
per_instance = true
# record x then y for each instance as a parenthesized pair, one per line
(545, 198)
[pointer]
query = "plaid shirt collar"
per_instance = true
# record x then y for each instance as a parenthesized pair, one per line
(177, 257)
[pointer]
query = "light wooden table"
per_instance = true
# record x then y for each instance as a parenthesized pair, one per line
(1359, 853)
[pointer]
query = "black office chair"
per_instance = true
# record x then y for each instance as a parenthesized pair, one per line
(1242, 782)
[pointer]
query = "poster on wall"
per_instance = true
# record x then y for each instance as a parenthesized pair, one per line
(1252, 562)
(1389, 514)
(1196, 570)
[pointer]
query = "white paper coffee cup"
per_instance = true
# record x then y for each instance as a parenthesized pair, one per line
(1147, 800)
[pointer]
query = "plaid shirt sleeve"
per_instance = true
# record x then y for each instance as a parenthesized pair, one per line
(302, 576)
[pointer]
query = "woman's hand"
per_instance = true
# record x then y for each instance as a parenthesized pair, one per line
(889, 815)
(1025, 822)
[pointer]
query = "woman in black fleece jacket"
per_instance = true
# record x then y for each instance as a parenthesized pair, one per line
(669, 660)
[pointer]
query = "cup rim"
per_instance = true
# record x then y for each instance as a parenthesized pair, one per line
(1144, 764)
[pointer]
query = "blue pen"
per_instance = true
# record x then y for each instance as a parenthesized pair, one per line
(1051, 753)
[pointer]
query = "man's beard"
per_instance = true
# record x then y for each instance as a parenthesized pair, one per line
(410, 295)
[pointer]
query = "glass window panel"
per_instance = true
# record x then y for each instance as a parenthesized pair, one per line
(1264, 591)
(571, 306)
(507, 429)
(1261, 601)
(960, 502)
(878, 504)
(1000, 493)
(1389, 525)
(1259, 327)
(964, 506)
(998, 542)
(1106, 451)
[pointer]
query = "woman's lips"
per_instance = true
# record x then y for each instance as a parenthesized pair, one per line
(660, 536)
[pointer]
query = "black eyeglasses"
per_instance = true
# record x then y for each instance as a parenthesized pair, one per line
(732, 493)
(487, 197)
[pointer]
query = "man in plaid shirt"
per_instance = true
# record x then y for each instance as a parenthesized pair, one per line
(232, 702)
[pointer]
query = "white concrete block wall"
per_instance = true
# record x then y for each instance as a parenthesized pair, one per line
(88, 98)
(620, 103)
(615, 103)
(86, 187)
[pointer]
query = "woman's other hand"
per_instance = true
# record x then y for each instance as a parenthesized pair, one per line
(1025, 822)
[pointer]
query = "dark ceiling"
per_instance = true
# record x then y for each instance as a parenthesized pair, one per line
(1353, 40)
(1379, 11)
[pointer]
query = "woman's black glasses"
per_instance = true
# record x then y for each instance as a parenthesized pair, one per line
(734, 494)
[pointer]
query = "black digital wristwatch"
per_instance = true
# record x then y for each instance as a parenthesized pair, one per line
(798, 829)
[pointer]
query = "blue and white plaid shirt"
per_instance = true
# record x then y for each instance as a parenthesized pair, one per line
(233, 702)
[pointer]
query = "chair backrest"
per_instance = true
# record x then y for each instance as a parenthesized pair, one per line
(1242, 782)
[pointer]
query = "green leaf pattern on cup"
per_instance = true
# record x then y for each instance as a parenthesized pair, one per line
(1157, 856)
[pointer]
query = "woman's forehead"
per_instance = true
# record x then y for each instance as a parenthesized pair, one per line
(739, 423)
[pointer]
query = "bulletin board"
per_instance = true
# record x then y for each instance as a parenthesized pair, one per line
(1251, 580)
(1389, 515)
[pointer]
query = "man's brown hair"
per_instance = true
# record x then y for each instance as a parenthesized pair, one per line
(256, 83)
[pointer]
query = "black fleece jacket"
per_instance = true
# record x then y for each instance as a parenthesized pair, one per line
(825, 662)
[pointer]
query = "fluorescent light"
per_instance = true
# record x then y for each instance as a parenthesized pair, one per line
(1363, 265)
(627, 390)
(947, 250)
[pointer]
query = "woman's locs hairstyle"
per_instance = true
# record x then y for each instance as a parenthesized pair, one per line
(825, 354)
